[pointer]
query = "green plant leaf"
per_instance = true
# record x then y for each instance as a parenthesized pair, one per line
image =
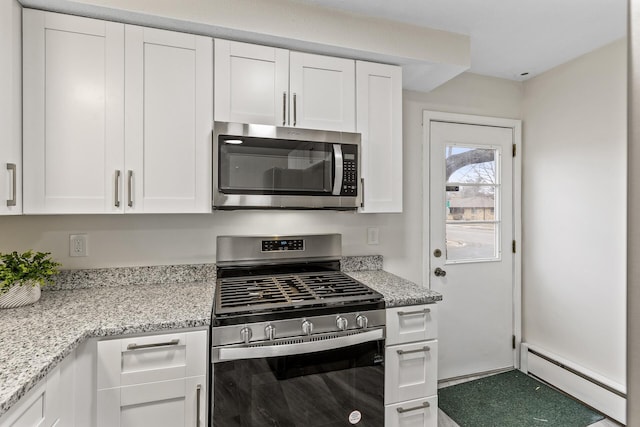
(29, 266)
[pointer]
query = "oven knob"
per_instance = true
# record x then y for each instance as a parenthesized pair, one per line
(245, 335)
(362, 321)
(307, 327)
(270, 332)
(342, 323)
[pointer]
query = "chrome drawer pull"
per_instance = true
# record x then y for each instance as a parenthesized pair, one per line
(420, 350)
(415, 408)
(284, 108)
(198, 390)
(160, 344)
(11, 167)
(117, 185)
(409, 313)
(130, 189)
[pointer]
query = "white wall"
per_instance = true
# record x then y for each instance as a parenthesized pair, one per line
(574, 211)
(161, 239)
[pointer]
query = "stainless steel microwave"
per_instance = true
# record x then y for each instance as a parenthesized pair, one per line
(269, 167)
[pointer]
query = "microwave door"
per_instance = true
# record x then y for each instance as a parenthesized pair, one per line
(339, 169)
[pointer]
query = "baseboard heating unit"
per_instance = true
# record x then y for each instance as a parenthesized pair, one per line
(588, 387)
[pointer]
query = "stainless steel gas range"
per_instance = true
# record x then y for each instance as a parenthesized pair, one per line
(295, 342)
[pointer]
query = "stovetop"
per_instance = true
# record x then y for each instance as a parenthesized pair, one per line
(253, 294)
(275, 278)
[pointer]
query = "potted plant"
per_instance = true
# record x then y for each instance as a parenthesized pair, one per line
(21, 276)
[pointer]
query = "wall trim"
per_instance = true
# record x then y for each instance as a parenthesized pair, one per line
(592, 389)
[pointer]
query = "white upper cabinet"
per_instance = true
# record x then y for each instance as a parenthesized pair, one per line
(322, 92)
(168, 110)
(114, 122)
(73, 113)
(251, 83)
(10, 109)
(264, 85)
(379, 107)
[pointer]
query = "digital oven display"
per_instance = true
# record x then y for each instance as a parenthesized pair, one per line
(283, 245)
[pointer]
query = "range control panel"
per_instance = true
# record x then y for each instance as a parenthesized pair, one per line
(283, 245)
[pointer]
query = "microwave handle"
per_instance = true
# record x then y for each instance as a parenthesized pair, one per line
(339, 168)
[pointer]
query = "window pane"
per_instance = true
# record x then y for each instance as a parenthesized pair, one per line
(471, 203)
(473, 165)
(471, 241)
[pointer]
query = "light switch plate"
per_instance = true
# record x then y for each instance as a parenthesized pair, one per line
(373, 236)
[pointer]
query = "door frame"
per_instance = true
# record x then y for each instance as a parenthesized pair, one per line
(516, 125)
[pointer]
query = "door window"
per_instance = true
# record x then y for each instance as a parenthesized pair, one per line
(472, 203)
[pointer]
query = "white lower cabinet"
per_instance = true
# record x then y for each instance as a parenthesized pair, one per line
(411, 367)
(157, 380)
(48, 404)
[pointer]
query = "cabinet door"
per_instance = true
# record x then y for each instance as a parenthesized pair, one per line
(379, 120)
(412, 323)
(10, 109)
(411, 371)
(169, 110)
(73, 113)
(322, 92)
(173, 403)
(414, 413)
(251, 83)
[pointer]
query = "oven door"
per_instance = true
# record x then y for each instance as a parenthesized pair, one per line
(337, 384)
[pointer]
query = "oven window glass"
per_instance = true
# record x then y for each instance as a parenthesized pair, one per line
(249, 165)
(322, 389)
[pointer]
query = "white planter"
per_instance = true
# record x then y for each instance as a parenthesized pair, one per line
(19, 295)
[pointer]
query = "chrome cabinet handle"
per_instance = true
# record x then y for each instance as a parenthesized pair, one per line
(130, 189)
(420, 350)
(284, 108)
(117, 191)
(439, 272)
(134, 346)
(198, 391)
(415, 408)
(295, 110)
(13, 169)
(409, 313)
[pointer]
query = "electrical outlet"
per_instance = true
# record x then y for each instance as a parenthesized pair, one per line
(78, 245)
(373, 236)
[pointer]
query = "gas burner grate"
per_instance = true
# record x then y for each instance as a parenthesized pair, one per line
(239, 295)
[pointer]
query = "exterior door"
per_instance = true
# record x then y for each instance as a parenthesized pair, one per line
(470, 245)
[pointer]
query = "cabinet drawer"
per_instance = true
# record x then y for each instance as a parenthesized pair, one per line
(410, 371)
(175, 403)
(413, 413)
(146, 359)
(412, 323)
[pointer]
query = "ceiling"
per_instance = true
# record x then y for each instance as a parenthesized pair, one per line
(508, 37)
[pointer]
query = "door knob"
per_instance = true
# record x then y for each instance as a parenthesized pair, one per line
(439, 272)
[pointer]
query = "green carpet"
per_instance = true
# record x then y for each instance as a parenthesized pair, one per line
(512, 399)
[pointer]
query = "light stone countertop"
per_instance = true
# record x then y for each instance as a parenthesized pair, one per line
(396, 290)
(120, 301)
(34, 339)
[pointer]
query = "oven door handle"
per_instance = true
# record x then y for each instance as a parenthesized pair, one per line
(257, 352)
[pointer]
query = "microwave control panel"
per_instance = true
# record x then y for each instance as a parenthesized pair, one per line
(350, 170)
